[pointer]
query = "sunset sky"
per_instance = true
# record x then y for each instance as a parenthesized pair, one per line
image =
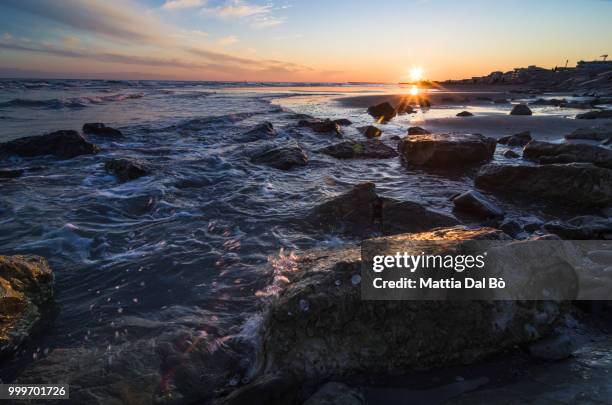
(291, 40)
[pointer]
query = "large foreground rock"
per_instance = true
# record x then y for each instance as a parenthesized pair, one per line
(361, 212)
(579, 184)
(26, 296)
(61, 144)
(371, 148)
(446, 150)
(126, 169)
(283, 158)
(99, 129)
(545, 152)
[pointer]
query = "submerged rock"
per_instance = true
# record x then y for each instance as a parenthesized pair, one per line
(126, 169)
(383, 111)
(465, 114)
(370, 131)
(591, 134)
(26, 296)
(261, 131)
(521, 109)
(592, 115)
(417, 131)
(520, 139)
(474, 203)
(61, 144)
(446, 150)
(326, 126)
(283, 157)
(370, 148)
(343, 122)
(579, 184)
(586, 227)
(510, 154)
(99, 129)
(545, 152)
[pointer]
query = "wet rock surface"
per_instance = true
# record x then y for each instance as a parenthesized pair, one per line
(26, 297)
(126, 169)
(446, 150)
(591, 134)
(592, 115)
(322, 126)
(264, 130)
(99, 129)
(383, 111)
(370, 131)
(369, 149)
(578, 184)
(474, 203)
(521, 109)
(61, 144)
(545, 152)
(282, 157)
(465, 114)
(520, 139)
(510, 154)
(417, 131)
(586, 227)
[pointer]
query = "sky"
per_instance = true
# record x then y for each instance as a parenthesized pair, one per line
(293, 40)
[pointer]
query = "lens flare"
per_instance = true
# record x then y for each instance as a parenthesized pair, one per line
(416, 74)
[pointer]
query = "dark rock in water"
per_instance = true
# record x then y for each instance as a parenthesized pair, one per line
(360, 149)
(552, 348)
(521, 109)
(405, 108)
(26, 286)
(10, 174)
(283, 158)
(465, 114)
(552, 102)
(361, 212)
(61, 144)
(500, 101)
(520, 139)
(321, 126)
(511, 227)
(409, 216)
(126, 169)
(383, 111)
(417, 131)
(591, 134)
(587, 227)
(335, 393)
(510, 154)
(261, 131)
(395, 138)
(592, 115)
(578, 184)
(371, 131)
(343, 122)
(545, 152)
(447, 150)
(99, 129)
(474, 203)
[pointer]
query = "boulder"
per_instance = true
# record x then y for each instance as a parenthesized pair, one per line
(446, 150)
(545, 152)
(370, 131)
(409, 217)
(520, 139)
(343, 122)
(592, 115)
(586, 227)
(283, 157)
(578, 184)
(261, 131)
(383, 111)
(99, 129)
(591, 134)
(61, 144)
(325, 126)
(511, 227)
(126, 169)
(26, 296)
(474, 203)
(465, 114)
(520, 109)
(10, 174)
(510, 154)
(417, 131)
(370, 148)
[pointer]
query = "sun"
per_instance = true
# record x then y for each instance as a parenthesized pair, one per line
(416, 74)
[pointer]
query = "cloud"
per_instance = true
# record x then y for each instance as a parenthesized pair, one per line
(182, 4)
(237, 8)
(230, 39)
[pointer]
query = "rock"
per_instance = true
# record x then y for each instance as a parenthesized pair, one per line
(510, 154)
(586, 227)
(511, 227)
(26, 296)
(370, 148)
(383, 111)
(465, 114)
(126, 169)
(417, 131)
(261, 131)
(319, 126)
(578, 184)
(552, 102)
(343, 122)
(545, 152)
(342, 335)
(361, 212)
(334, 393)
(448, 150)
(395, 138)
(532, 224)
(603, 257)
(500, 101)
(520, 139)
(10, 174)
(474, 203)
(61, 144)
(520, 109)
(405, 108)
(99, 129)
(370, 131)
(591, 134)
(592, 115)
(552, 348)
(283, 157)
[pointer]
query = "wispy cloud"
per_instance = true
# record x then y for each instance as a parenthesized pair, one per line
(182, 4)
(229, 40)
(237, 8)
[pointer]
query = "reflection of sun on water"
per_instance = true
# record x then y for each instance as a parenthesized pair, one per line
(414, 90)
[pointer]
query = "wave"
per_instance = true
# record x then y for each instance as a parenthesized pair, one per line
(74, 102)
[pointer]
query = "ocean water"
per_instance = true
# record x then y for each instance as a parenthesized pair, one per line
(187, 245)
